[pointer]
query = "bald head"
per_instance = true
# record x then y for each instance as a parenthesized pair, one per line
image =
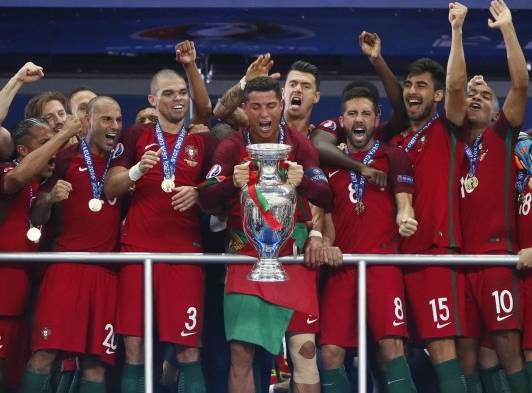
(165, 74)
(99, 103)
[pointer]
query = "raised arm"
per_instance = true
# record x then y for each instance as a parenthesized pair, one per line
(232, 98)
(455, 94)
(35, 161)
(28, 73)
(185, 53)
(515, 103)
(370, 43)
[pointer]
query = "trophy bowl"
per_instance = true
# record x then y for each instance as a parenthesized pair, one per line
(280, 198)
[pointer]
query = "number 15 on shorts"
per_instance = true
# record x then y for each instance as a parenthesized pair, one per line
(440, 312)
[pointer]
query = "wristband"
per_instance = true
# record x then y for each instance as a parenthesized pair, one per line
(135, 173)
(315, 233)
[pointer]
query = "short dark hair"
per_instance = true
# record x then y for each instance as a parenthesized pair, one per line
(434, 68)
(163, 74)
(22, 130)
(262, 83)
(362, 92)
(75, 91)
(36, 103)
(361, 83)
(308, 68)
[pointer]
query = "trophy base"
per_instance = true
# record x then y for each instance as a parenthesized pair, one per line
(268, 270)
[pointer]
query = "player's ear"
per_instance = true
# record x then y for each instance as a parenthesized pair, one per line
(341, 121)
(316, 97)
(438, 95)
(152, 100)
(22, 150)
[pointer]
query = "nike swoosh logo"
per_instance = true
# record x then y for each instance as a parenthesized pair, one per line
(395, 381)
(331, 174)
(150, 145)
(185, 334)
(395, 323)
(311, 321)
(443, 325)
(109, 352)
(81, 169)
(500, 319)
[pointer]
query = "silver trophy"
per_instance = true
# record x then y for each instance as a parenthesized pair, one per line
(281, 198)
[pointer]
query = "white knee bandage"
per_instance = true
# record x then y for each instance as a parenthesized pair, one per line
(305, 369)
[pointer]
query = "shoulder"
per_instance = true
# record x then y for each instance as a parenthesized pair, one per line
(134, 131)
(66, 154)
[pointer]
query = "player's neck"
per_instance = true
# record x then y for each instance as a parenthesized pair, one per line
(169, 127)
(475, 131)
(417, 124)
(93, 147)
(299, 124)
(256, 137)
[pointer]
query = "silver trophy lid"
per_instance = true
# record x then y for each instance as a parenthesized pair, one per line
(268, 151)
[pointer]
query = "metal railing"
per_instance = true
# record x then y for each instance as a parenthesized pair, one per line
(362, 260)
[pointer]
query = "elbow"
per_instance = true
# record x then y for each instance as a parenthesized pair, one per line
(521, 84)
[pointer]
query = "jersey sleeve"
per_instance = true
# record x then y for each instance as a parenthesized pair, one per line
(127, 146)
(314, 185)
(223, 162)
(331, 126)
(401, 175)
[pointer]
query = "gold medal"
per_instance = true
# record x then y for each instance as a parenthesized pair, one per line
(95, 205)
(359, 208)
(470, 183)
(34, 234)
(168, 185)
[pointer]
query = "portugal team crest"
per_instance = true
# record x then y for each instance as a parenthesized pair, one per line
(192, 155)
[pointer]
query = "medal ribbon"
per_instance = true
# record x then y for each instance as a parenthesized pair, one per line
(96, 185)
(169, 164)
(418, 133)
(17, 162)
(472, 155)
(357, 180)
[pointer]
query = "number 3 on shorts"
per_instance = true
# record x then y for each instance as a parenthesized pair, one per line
(192, 313)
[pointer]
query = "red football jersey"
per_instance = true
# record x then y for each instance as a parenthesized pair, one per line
(16, 209)
(437, 157)
(80, 229)
(151, 223)
(493, 201)
(375, 230)
(14, 281)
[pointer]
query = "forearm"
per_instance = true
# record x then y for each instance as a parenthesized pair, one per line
(455, 95)
(199, 94)
(117, 183)
(41, 210)
(329, 232)
(331, 155)
(33, 163)
(229, 102)
(6, 145)
(7, 94)
(403, 202)
(516, 59)
(213, 197)
(393, 88)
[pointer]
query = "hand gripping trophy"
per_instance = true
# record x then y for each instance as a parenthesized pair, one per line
(268, 206)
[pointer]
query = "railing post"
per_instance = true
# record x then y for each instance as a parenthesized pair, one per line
(362, 349)
(148, 326)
